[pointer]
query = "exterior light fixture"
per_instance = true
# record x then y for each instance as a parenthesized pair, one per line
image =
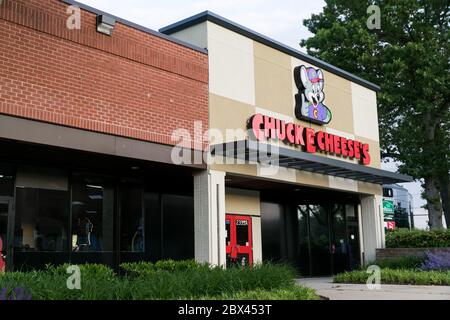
(105, 24)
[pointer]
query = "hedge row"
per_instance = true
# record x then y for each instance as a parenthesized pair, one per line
(404, 238)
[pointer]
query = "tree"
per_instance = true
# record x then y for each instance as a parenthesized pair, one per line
(409, 58)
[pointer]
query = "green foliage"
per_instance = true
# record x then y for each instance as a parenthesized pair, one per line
(142, 268)
(293, 292)
(398, 276)
(409, 59)
(400, 263)
(403, 238)
(164, 280)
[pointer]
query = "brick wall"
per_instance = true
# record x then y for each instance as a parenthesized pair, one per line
(393, 253)
(132, 84)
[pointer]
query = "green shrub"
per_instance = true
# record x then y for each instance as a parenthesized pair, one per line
(165, 280)
(398, 276)
(410, 262)
(293, 292)
(403, 238)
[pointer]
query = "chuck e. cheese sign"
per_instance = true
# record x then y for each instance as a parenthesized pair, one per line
(309, 107)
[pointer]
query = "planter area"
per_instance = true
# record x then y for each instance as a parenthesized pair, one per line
(167, 280)
(398, 276)
(412, 258)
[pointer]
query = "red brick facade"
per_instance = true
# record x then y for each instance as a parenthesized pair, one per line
(133, 84)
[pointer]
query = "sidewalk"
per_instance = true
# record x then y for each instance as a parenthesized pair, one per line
(337, 291)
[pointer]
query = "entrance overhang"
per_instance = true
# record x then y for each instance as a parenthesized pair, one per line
(254, 151)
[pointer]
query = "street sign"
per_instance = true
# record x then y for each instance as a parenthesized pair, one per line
(388, 207)
(390, 225)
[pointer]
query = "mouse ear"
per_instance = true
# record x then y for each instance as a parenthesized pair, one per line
(321, 77)
(301, 77)
(304, 76)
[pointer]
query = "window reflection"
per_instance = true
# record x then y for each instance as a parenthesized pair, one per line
(42, 212)
(92, 215)
(132, 220)
(242, 234)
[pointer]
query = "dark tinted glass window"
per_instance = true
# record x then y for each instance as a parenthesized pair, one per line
(242, 236)
(353, 236)
(92, 215)
(6, 181)
(303, 240)
(178, 227)
(319, 240)
(42, 220)
(228, 227)
(42, 210)
(388, 192)
(132, 220)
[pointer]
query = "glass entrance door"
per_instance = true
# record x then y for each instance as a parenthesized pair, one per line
(5, 209)
(328, 239)
(239, 246)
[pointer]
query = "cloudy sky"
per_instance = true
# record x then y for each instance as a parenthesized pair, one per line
(280, 20)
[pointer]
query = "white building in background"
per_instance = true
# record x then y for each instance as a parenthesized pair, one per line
(399, 197)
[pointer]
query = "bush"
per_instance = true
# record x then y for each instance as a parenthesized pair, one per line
(400, 263)
(403, 238)
(166, 280)
(389, 276)
(437, 261)
(141, 268)
(293, 292)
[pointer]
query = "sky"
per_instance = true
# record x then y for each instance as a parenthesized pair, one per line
(280, 20)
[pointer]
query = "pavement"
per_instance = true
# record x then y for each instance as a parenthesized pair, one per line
(338, 291)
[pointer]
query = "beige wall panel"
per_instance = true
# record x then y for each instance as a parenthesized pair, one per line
(338, 99)
(228, 114)
(273, 79)
(242, 169)
(196, 35)
(241, 201)
(365, 112)
(369, 188)
(279, 173)
(343, 184)
(231, 72)
(312, 179)
(257, 240)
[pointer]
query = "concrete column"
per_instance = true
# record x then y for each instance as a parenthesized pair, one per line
(257, 239)
(372, 226)
(209, 217)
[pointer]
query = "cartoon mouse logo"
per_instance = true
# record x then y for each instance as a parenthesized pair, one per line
(309, 100)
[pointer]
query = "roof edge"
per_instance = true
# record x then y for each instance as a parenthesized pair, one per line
(136, 26)
(228, 24)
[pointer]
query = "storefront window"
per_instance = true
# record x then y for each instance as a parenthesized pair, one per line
(42, 212)
(177, 227)
(319, 239)
(132, 220)
(303, 260)
(242, 235)
(92, 215)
